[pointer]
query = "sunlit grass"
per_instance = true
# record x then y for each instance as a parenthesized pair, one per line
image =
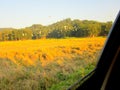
(52, 64)
(47, 50)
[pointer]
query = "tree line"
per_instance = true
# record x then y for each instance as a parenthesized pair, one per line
(60, 29)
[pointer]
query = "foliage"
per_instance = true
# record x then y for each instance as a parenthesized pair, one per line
(60, 29)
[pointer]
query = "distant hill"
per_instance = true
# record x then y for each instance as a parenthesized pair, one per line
(60, 29)
(1, 29)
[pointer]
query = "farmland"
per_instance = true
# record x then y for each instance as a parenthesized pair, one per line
(47, 64)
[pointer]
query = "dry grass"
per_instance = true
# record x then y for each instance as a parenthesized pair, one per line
(49, 64)
(49, 50)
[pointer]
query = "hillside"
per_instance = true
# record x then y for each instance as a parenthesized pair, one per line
(60, 29)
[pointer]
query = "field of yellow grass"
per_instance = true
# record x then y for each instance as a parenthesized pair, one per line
(49, 50)
(47, 64)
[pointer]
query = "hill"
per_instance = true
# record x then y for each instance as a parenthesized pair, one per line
(60, 29)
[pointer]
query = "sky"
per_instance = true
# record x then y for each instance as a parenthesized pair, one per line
(24, 13)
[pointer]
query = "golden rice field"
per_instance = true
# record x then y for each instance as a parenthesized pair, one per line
(49, 50)
(47, 64)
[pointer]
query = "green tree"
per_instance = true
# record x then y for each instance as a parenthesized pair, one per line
(105, 28)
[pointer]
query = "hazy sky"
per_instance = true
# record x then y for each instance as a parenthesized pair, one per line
(23, 13)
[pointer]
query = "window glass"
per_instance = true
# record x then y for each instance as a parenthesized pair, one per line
(49, 45)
